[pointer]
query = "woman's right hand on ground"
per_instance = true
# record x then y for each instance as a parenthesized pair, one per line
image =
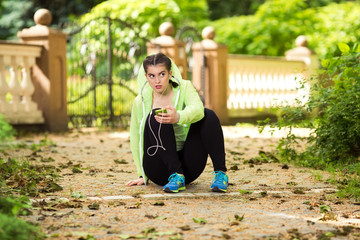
(138, 182)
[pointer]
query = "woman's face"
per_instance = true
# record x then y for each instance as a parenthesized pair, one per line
(158, 77)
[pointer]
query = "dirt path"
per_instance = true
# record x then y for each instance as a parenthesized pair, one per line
(275, 201)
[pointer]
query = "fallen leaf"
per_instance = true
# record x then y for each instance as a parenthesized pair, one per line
(325, 208)
(159, 203)
(239, 218)
(76, 170)
(94, 206)
(185, 228)
(199, 220)
(122, 161)
(299, 191)
(234, 168)
(241, 191)
(285, 166)
(329, 216)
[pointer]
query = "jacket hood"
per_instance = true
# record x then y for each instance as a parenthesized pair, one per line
(142, 83)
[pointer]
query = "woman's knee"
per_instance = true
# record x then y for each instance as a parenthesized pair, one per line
(210, 114)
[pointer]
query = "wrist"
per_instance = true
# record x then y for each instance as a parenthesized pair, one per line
(178, 117)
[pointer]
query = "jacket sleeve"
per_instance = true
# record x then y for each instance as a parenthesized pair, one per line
(134, 136)
(194, 108)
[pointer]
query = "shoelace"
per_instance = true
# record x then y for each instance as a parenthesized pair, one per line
(219, 177)
(176, 178)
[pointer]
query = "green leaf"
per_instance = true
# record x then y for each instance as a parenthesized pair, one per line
(199, 220)
(239, 218)
(325, 208)
(124, 236)
(241, 191)
(344, 48)
(325, 63)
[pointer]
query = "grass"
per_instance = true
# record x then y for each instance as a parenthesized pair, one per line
(19, 180)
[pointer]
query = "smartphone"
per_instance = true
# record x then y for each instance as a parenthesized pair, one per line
(161, 110)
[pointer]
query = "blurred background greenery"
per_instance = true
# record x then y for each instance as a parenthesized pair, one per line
(255, 27)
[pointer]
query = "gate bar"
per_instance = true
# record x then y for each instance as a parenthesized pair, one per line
(110, 71)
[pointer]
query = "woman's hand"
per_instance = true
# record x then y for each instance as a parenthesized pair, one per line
(138, 182)
(170, 117)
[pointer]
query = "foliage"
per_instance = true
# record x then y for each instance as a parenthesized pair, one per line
(222, 9)
(27, 179)
(13, 206)
(13, 228)
(333, 111)
(121, 99)
(276, 24)
(6, 130)
(18, 180)
(149, 14)
(333, 24)
(18, 14)
(193, 12)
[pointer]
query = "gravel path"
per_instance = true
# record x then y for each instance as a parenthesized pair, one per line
(266, 200)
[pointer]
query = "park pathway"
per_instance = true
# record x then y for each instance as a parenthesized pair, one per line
(266, 199)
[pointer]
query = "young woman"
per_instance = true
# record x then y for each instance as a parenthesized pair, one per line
(171, 147)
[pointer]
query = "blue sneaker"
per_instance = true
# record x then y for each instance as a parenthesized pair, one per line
(220, 182)
(176, 183)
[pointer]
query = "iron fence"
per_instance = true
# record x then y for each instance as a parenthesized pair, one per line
(103, 57)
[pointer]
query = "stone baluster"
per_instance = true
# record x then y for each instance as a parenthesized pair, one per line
(14, 85)
(27, 87)
(4, 88)
(49, 72)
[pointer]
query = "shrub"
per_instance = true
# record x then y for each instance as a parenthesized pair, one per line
(6, 130)
(274, 27)
(12, 228)
(333, 112)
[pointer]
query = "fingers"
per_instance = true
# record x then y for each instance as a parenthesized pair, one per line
(129, 183)
(135, 182)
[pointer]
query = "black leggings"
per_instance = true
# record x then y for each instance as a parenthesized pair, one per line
(205, 138)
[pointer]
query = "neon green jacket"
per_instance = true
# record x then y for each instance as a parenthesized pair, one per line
(185, 100)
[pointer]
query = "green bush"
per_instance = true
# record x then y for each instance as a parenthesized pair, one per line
(333, 112)
(338, 122)
(6, 130)
(12, 228)
(276, 24)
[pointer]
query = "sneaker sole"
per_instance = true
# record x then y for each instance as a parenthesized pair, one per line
(216, 189)
(174, 191)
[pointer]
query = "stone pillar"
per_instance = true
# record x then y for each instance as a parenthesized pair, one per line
(302, 53)
(210, 73)
(167, 44)
(49, 73)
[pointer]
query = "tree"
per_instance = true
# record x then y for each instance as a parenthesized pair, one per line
(18, 14)
(222, 9)
(276, 24)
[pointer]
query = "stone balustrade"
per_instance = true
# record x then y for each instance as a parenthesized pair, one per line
(16, 86)
(257, 82)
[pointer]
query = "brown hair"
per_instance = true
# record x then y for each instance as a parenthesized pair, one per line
(159, 58)
(156, 59)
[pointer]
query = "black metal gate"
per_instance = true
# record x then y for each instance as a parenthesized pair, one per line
(103, 57)
(189, 35)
